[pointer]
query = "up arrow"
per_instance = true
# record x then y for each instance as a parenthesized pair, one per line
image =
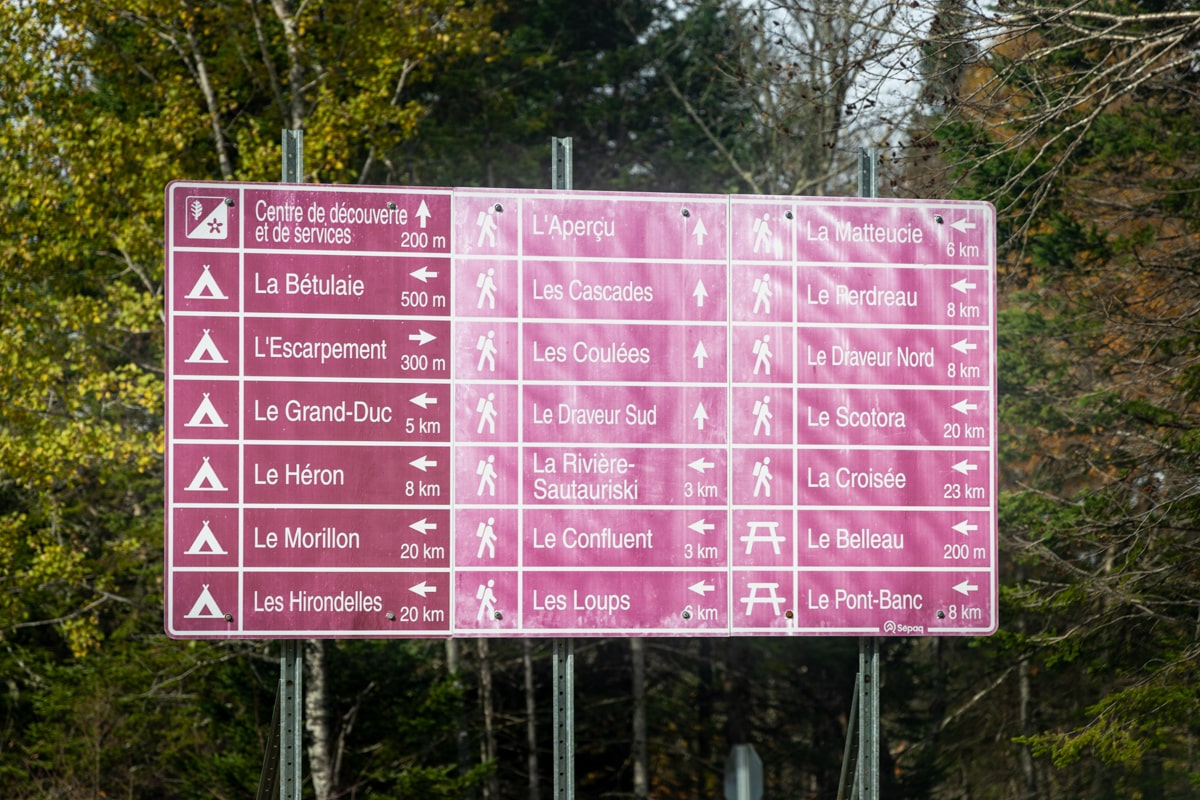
(965, 528)
(700, 416)
(700, 354)
(963, 406)
(423, 463)
(423, 400)
(702, 526)
(965, 467)
(963, 346)
(962, 225)
(702, 588)
(962, 285)
(700, 292)
(422, 589)
(700, 232)
(966, 587)
(421, 337)
(424, 215)
(423, 526)
(423, 274)
(701, 466)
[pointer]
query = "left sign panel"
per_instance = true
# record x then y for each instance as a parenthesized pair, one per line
(307, 336)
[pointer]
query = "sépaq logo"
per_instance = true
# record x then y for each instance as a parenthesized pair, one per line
(207, 217)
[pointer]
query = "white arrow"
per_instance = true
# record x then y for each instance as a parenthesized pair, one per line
(700, 416)
(422, 337)
(963, 346)
(701, 466)
(422, 589)
(962, 285)
(423, 526)
(963, 406)
(966, 587)
(423, 400)
(423, 463)
(700, 354)
(965, 528)
(702, 526)
(702, 588)
(962, 225)
(965, 467)
(700, 232)
(700, 292)
(424, 215)
(423, 274)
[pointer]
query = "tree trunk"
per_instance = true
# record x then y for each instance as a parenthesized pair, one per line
(531, 723)
(462, 736)
(487, 744)
(318, 721)
(641, 767)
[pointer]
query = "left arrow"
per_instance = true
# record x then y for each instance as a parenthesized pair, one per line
(702, 588)
(423, 400)
(423, 526)
(423, 274)
(423, 463)
(423, 589)
(964, 467)
(966, 587)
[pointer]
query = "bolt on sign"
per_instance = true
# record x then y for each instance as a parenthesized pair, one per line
(422, 412)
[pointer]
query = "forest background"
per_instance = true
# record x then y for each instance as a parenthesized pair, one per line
(1080, 122)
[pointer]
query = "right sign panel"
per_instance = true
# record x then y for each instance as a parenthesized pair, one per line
(872, 508)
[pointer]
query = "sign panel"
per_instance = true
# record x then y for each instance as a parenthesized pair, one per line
(430, 412)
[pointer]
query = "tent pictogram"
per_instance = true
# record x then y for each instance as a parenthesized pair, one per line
(206, 416)
(206, 480)
(206, 351)
(205, 607)
(206, 544)
(206, 287)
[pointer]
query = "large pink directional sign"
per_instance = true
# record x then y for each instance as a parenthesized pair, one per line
(428, 412)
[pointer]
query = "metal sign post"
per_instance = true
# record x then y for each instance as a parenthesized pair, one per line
(564, 649)
(291, 660)
(868, 647)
